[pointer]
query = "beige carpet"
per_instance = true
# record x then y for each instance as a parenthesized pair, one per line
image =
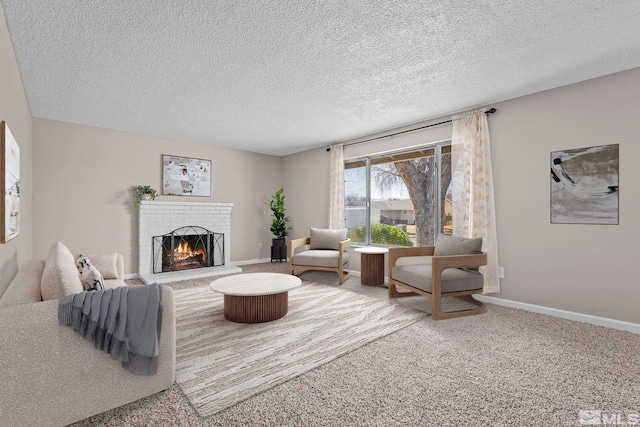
(220, 363)
(507, 367)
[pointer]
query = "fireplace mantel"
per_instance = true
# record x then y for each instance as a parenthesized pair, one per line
(159, 217)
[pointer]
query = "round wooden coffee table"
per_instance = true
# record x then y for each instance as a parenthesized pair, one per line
(255, 297)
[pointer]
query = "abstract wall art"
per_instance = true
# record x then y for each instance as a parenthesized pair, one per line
(10, 182)
(184, 176)
(584, 185)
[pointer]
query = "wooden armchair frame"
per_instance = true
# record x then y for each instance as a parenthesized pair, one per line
(296, 243)
(439, 264)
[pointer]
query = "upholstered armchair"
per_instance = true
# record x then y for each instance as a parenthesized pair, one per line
(448, 270)
(323, 250)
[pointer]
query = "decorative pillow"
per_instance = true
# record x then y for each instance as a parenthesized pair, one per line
(107, 264)
(452, 245)
(90, 277)
(322, 238)
(60, 276)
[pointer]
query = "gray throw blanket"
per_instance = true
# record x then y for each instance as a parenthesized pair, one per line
(124, 322)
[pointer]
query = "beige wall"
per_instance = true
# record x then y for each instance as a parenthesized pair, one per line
(587, 269)
(14, 109)
(83, 180)
(306, 178)
(582, 268)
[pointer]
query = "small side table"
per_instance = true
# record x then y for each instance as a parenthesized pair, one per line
(372, 265)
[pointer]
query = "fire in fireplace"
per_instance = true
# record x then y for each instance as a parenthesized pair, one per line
(184, 256)
(187, 248)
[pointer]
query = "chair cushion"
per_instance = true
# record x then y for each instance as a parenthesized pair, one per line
(322, 238)
(452, 280)
(453, 245)
(319, 258)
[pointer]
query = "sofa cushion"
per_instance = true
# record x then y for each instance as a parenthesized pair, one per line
(107, 264)
(114, 283)
(322, 238)
(60, 276)
(453, 245)
(319, 258)
(452, 279)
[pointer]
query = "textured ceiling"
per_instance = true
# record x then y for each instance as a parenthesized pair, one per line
(279, 77)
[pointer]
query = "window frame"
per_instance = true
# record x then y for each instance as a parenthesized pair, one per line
(370, 159)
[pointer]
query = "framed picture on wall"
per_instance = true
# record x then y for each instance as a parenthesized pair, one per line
(185, 176)
(10, 177)
(584, 185)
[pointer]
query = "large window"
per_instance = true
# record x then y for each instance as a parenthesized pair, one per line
(399, 199)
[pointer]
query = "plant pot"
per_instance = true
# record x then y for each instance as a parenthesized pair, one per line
(278, 250)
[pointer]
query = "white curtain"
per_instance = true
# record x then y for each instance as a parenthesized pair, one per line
(472, 189)
(336, 188)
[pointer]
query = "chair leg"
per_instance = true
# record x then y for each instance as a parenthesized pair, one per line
(392, 291)
(342, 277)
(436, 307)
(440, 315)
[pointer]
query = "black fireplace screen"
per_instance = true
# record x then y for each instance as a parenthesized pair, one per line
(186, 248)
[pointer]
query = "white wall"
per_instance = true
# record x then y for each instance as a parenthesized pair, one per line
(14, 109)
(587, 269)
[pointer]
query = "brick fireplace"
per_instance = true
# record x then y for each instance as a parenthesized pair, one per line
(156, 218)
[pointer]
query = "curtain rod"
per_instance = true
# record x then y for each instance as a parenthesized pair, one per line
(489, 111)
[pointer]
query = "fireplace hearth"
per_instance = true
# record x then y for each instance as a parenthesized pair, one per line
(187, 248)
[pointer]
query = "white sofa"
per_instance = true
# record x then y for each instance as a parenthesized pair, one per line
(50, 375)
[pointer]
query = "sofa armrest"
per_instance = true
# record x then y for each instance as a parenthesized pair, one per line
(120, 266)
(25, 287)
(52, 376)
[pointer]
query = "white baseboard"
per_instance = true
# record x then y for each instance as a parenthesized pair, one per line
(356, 273)
(571, 315)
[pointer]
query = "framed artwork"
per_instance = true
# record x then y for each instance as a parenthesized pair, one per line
(184, 176)
(10, 178)
(584, 185)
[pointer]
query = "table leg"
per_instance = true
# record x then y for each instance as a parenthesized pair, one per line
(256, 308)
(372, 271)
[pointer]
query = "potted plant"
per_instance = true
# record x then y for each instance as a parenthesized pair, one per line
(143, 192)
(279, 227)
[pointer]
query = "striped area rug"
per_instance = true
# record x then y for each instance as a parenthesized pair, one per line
(220, 363)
